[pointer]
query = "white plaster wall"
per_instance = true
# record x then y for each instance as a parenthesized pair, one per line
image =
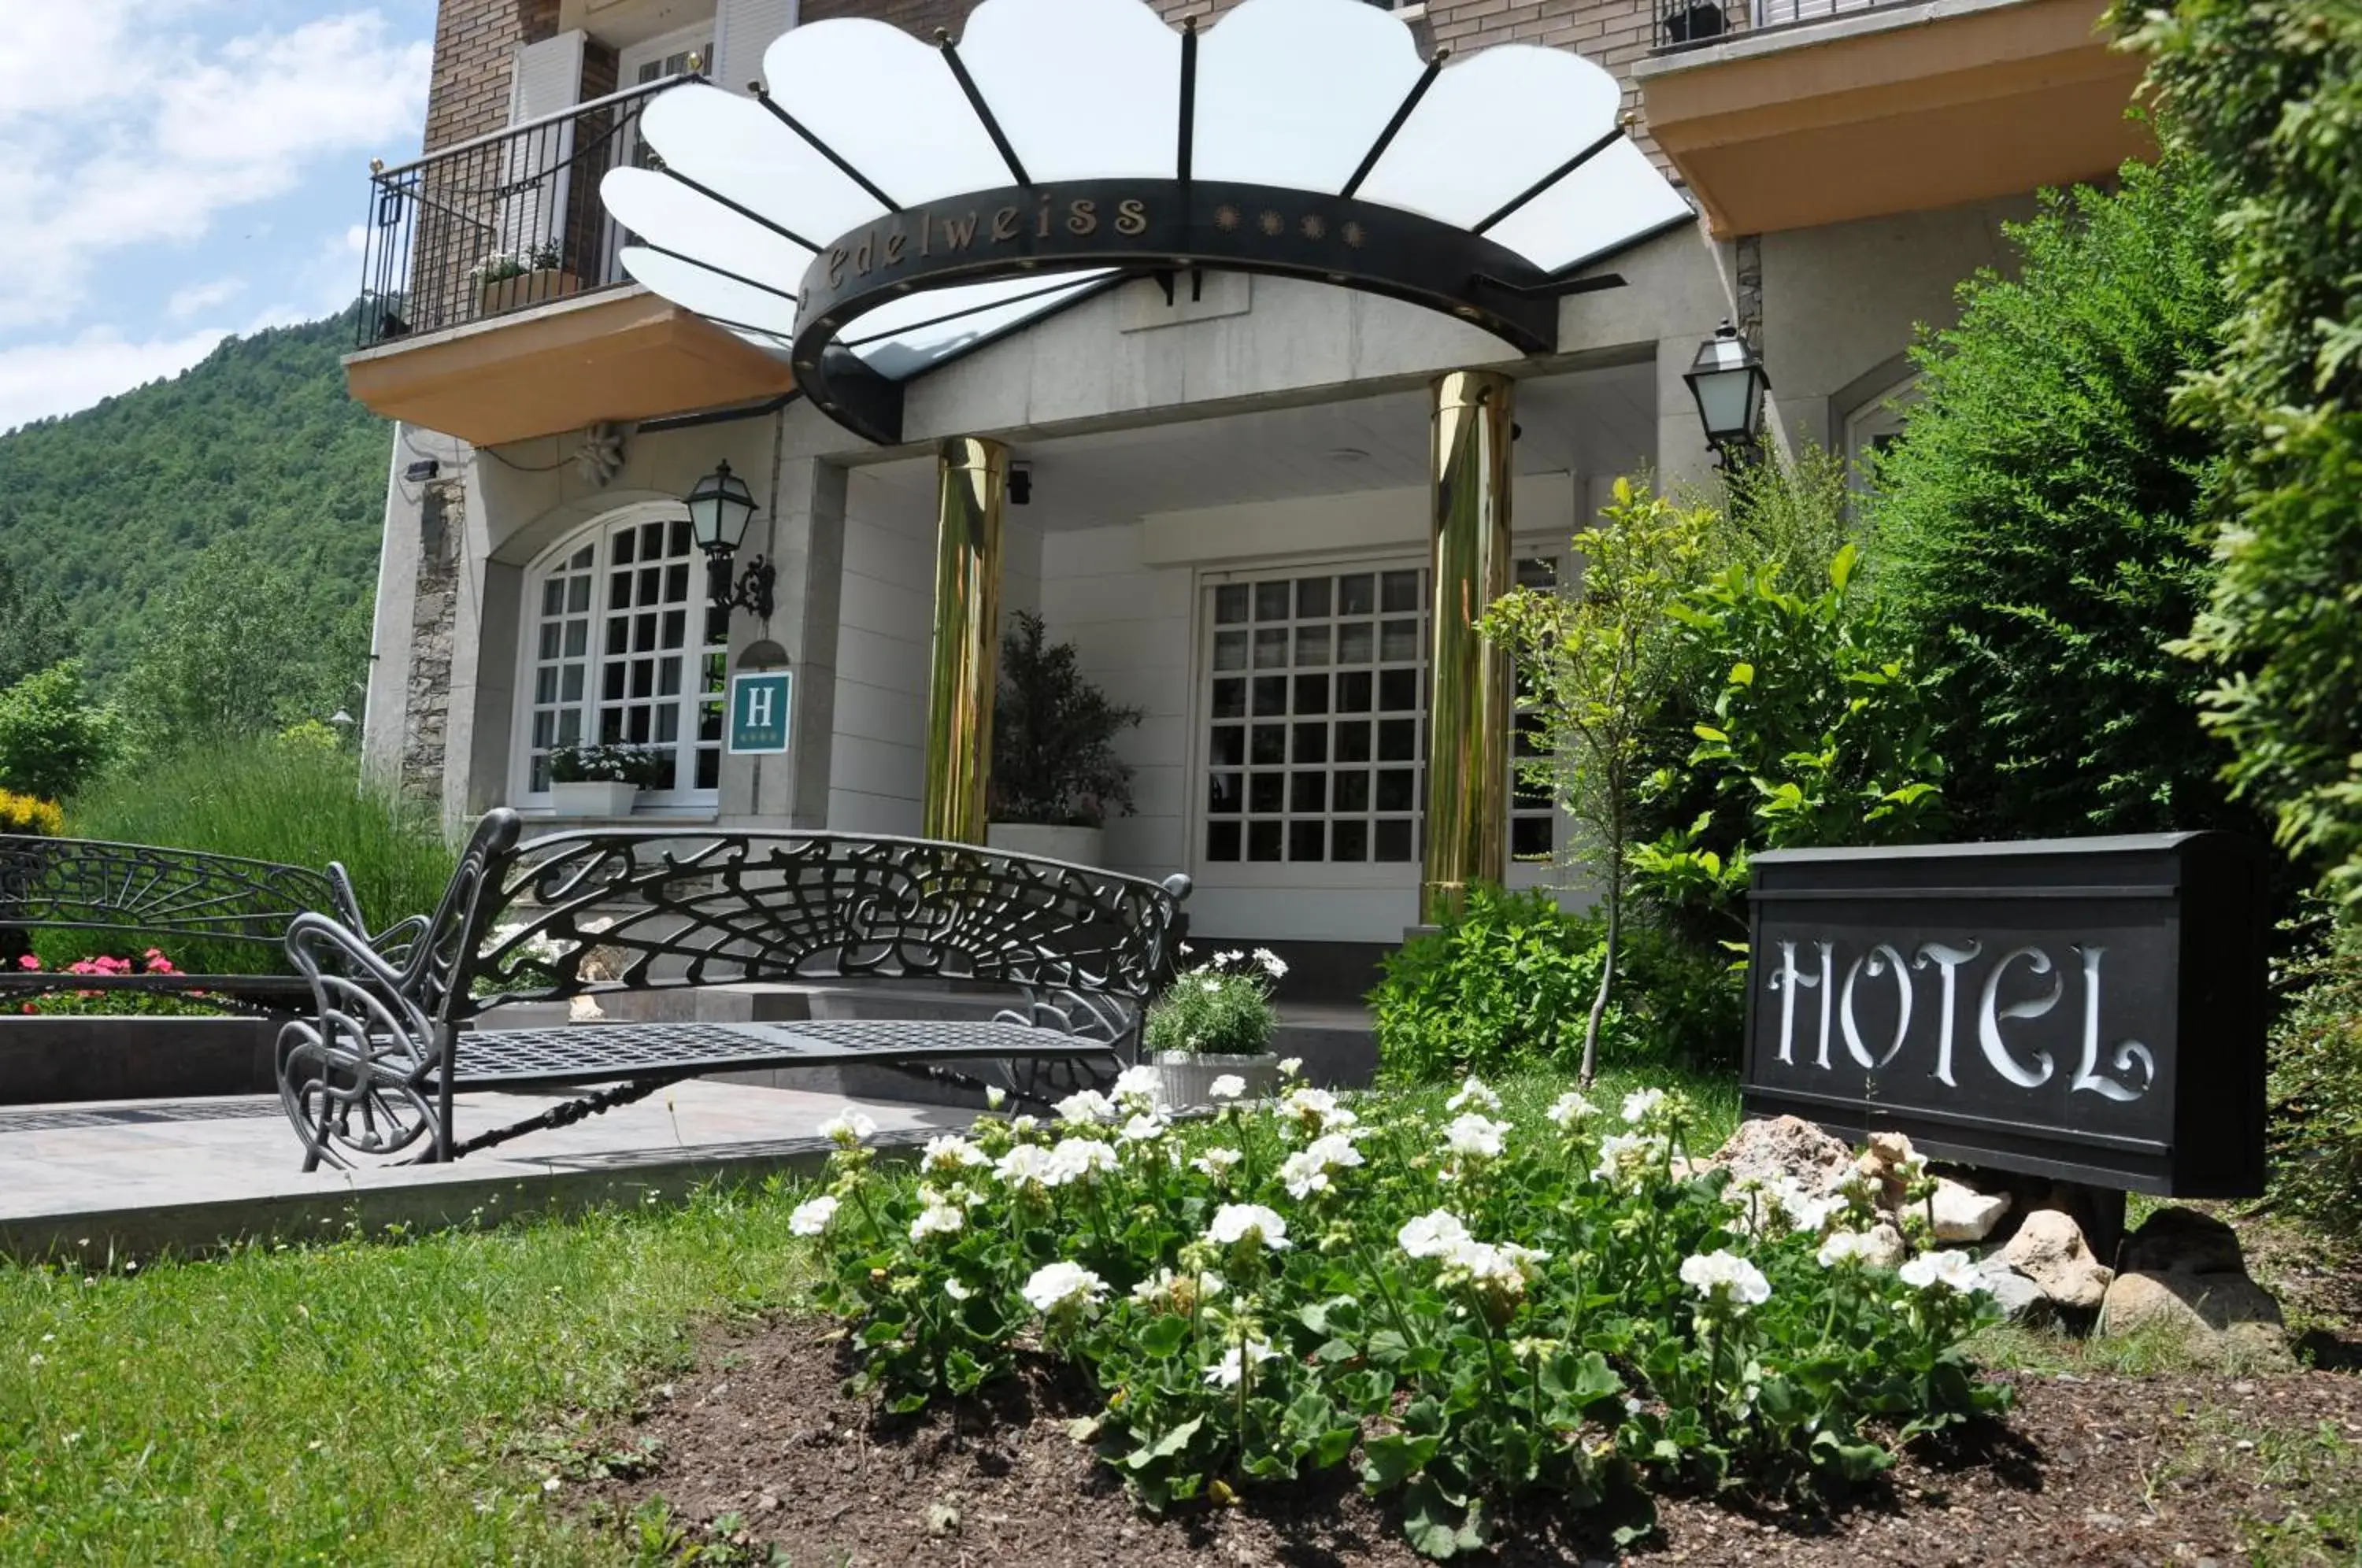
(883, 614)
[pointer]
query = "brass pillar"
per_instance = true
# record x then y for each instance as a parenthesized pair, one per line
(971, 478)
(1468, 699)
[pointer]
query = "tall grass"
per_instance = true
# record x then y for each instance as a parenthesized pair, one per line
(273, 799)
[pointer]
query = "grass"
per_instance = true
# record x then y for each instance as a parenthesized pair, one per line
(357, 1402)
(1524, 1097)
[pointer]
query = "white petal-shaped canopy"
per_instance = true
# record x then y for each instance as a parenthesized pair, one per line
(1516, 147)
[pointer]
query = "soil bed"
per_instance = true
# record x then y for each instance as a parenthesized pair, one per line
(2091, 1469)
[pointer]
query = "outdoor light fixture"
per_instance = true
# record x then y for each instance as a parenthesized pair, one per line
(1728, 383)
(1020, 484)
(719, 510)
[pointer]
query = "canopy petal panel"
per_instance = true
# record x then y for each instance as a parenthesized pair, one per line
(883, 204)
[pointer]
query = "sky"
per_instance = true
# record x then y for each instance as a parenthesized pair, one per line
(173, 171)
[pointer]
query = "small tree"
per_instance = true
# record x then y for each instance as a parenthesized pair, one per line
(1054, 760)
(1586, 657)
(52, 739)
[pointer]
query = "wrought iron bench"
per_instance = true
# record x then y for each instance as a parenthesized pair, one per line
(173, 898)
(372, 1072)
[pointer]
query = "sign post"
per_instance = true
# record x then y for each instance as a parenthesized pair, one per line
(2087, 1009)
(759, 700)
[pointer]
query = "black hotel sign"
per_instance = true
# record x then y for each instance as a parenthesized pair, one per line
(2091, 1008)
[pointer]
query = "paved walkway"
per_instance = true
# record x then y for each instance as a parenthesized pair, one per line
(138, 1176)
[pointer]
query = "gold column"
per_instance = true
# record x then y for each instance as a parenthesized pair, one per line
(1468, 699)
(971, 478)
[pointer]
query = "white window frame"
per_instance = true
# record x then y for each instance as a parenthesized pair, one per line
(694, 694)
(697, 38)
(1327, 875)
(1875, 419)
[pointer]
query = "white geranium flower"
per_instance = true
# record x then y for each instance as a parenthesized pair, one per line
(1641, 1104)
(1316, 1110)
(1289, 1066)
(957, 1291)
(1026, 1126)
(995, 1096)
(1145, 1128)
(848, 1129)
(1845, 1247)
(1165, 1290)
(812, 1218)
(1226, 1373)
(1432, 1235)
(1026, 1168)
(1571, 1110)
(1475, 1134)
(1237, 1222)
(1726, 1279)
(1228, 1085)
(1307, 1170)
(951, 1153)
(1473, 1093)
(1626, 1159)
(1807, 1212)
(1140, 1089)
(1217, 1163)
(1077, 1159)
(937, 1220)
(1086, 1108)
(1273, 965)
(1955, 1271)
(1064, 1286)
(1502, 1266)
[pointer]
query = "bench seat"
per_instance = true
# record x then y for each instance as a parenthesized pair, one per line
(521, 1059)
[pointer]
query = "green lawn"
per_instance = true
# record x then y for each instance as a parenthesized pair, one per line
(385, 1401)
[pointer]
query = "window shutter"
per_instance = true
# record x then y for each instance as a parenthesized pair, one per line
(745, 30)
(543, 78)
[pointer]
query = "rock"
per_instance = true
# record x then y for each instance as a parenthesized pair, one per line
(2183, 1240)
(1886, 1248)
(1783, 1147)
(2219, 1316)
(2019, 1298)
(2048, 1250)
(1964, 1214)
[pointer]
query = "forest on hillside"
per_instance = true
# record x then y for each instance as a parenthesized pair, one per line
(205, 547)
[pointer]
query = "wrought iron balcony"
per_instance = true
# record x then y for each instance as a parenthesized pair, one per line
(502, 223)
(1692, 24)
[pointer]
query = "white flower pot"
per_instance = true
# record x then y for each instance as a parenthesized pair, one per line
(1077, 845)
(594, 798)
(1190, 1077)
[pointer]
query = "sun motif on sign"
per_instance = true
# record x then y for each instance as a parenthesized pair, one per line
(1354, 233)
(1314, 225)
(1271, 223)
(1226, 216)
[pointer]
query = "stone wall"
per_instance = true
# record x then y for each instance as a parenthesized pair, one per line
(434, 612)
(469, 93)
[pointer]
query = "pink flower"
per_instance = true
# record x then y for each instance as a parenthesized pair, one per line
(30, 961)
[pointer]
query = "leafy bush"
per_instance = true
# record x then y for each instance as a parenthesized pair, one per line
(1505, 984)
(1810, 727)
(1053, 759)
(52, 739)
(1482, 1312)
(2268, 93)
(30, 814)
(2315, 1094)
(2038, 516)
(270, 802)
(1221, 1007)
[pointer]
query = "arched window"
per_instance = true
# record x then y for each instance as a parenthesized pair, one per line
(622, 649)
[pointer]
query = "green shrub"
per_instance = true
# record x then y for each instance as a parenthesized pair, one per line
(1506, 986)
(1221, 1007)
(2039, 519)
(1054, 756)
(52, 738)
(2315, 1095)
(2270, 94)
(267, 801)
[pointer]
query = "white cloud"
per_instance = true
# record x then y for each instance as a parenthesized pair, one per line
(173, 133)
(37, 380)
(195, 299)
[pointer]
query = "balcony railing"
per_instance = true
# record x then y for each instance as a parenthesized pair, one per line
(1692, 24)
(500, 224)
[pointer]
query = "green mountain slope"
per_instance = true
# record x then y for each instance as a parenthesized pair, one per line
(256, 444)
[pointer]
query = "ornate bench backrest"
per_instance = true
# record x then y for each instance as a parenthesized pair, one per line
(166, 894)
(655, 909)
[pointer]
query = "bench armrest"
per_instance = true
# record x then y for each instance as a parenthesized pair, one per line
(352, 1074)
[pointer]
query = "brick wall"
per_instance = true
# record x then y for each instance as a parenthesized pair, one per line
(469, 93)
(920, 17)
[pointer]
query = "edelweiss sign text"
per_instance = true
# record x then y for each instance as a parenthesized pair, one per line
(2088, 1009)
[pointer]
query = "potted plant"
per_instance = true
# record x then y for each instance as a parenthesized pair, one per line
(604, 780)
(1215, 1021)
(508, 279)
(1056, 776)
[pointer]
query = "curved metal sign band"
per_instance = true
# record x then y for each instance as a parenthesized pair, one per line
(1138, 226)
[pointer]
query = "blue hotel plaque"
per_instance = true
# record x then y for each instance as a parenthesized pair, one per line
(758, 709)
